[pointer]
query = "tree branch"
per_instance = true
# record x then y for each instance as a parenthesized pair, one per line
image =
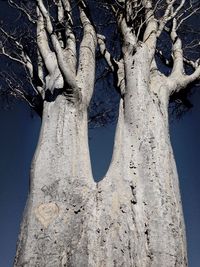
(169, 14)
(86, 66)
(117, 67)
(22, 9)
(68, 76)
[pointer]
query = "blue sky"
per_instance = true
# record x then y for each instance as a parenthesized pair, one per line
(18, 138)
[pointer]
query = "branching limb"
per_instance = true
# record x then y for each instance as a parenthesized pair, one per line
(150, 37)
(3, 52)
(181, 81)
(102, 46)
(70, 48)
(22, 9)
(178, 79)
(192, 12)
(170, 14)
(43, 45)
(86, 66)
(129, 37)
(117, 67)
(16, 88)
(68, 76)
(178, 68)
(21, 57)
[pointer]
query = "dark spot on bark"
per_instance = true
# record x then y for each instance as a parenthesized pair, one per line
(150, 255)
(147, 236)
(122, 210)
(98, 230)
(77, 211)
(133, 201)
(133, 192)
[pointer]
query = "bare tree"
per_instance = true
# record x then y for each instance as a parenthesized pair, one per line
(133, 217)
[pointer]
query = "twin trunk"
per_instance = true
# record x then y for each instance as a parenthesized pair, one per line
(133, 217)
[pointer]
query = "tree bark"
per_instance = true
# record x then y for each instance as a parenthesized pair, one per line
(133, 217)
(139, 207)
(56, 229)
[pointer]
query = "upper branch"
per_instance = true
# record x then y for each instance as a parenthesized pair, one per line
(70, 49)
(68, 76)
(170, 13)
(19, 55)
(86, 66)
(117, 67)
(178, 68)
(150, 34)
(23, 10)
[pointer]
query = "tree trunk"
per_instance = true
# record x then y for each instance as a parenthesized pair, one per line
(139, 208)
(133, 217)
(57, 230)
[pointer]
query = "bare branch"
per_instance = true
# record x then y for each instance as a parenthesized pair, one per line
(117, 67)
(169, 14)
(3, 52)
(70, 49)
(187, 17)
(150, 37)
(86, 67)
(22, 9)
(177, 51)
(104, 51)
(69, 77)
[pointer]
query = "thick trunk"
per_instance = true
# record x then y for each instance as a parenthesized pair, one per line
(139, 205)
(139, 208)
(133, 217)
(56, 229)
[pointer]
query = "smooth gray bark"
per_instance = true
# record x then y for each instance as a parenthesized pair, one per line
(56, 228)
(141, 213)
(133, 217)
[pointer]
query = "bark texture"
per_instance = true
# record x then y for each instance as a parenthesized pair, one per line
(56, 230)
(140, 207)
(133, 217)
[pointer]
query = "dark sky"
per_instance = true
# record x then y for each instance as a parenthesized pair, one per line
(18, 138)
